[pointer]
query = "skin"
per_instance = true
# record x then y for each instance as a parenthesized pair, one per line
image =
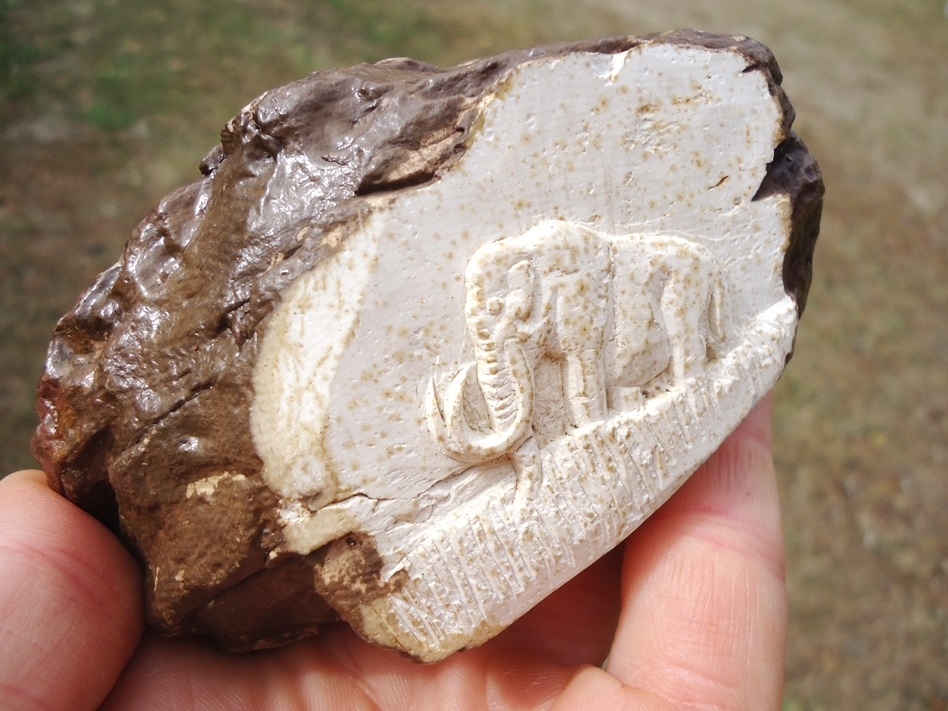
(689, 613)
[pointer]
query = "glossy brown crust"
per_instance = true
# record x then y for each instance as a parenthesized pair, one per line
(795, 173)
(148, 381)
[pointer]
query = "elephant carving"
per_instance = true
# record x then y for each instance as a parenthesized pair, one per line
(613, 315)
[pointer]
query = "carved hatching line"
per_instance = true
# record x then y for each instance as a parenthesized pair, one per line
(496, 558)
(501, 520)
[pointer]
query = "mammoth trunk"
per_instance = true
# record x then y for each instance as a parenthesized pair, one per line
(501, 385)
(505, 381)
(505, 384)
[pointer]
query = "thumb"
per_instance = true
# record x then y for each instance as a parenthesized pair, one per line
(70, 600)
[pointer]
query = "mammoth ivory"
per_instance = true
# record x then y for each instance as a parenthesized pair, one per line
(422, 344)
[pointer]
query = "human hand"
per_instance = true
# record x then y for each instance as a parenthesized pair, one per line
(690, 612)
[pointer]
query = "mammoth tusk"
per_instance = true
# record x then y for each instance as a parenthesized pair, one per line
(443, 427)
(449, 426)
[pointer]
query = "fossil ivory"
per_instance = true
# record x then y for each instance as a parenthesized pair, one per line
(459, 332)
(504, 398)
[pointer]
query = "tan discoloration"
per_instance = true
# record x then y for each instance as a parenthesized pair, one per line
(347, 573)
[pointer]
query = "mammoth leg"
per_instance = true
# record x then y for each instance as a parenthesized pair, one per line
(528, 469)
(685, 302)
(583, 309)
(584, 387)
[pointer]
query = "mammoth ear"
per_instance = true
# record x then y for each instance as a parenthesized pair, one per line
(520, 289)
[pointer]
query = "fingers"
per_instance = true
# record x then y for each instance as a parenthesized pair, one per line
(704, 601)
(704, 614)
(70, 607)
(525, 667)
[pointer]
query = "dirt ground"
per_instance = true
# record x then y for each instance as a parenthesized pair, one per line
(105, 106)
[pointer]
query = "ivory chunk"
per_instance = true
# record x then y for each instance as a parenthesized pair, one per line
(423, 344)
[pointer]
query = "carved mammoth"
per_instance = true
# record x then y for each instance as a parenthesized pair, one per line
(614, 313)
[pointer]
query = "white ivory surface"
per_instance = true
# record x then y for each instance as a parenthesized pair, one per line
(660, 145)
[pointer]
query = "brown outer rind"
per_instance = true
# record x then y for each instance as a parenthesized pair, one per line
(147, 385)
(794, 172)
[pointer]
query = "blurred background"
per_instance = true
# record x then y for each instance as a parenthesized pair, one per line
(107, 105)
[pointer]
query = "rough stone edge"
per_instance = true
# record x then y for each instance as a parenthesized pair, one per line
(794, 172)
